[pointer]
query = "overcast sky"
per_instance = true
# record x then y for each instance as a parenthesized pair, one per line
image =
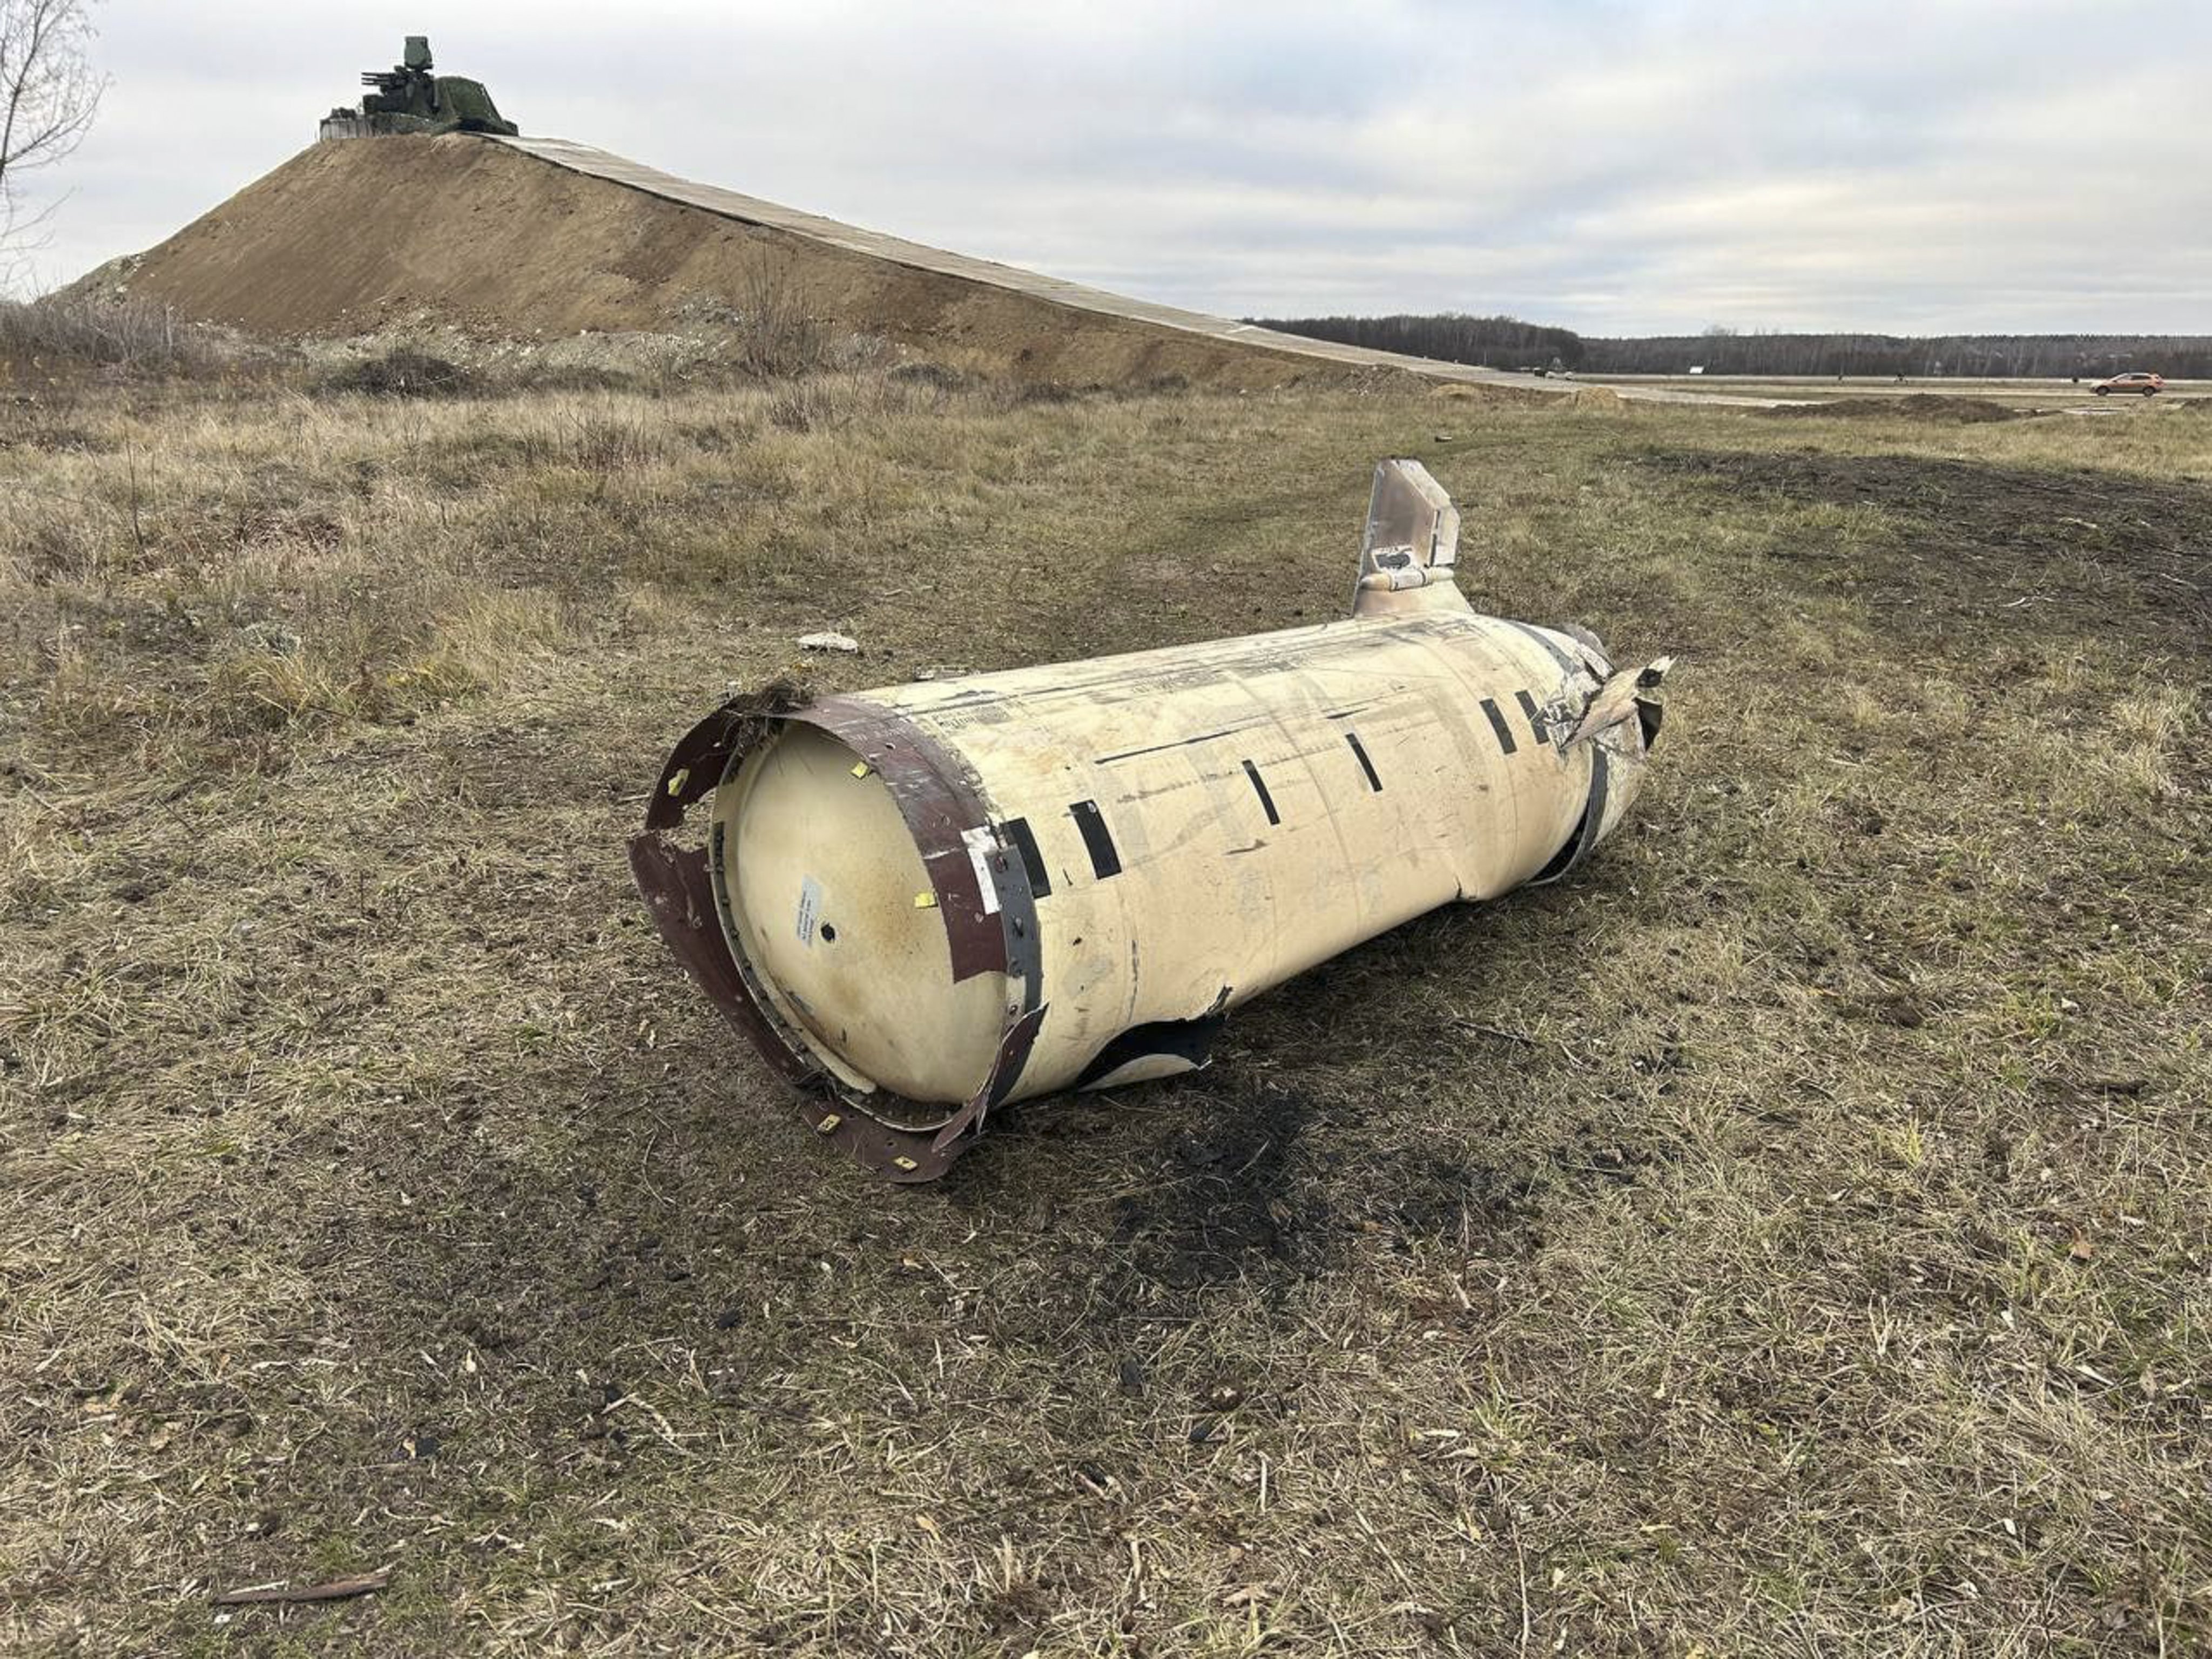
(1617, 165)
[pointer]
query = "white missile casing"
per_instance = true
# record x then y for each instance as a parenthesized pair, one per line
(924, 901)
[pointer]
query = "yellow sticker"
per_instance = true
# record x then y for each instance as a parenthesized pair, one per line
(925, 901)
(861, 770)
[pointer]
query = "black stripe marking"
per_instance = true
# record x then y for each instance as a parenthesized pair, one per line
(1536, 716)
(1017, 831)
(1497, 724)
(1259, 789)
(1180, 742)
(1104, 860)
(1566, 663)
(1586, 828)
(1594, 817)
(1365, 764)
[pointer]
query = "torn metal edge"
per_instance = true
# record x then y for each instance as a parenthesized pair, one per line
(943, 808)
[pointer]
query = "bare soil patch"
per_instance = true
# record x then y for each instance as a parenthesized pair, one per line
(360, 238)
(1936, 408)
(1978, 543)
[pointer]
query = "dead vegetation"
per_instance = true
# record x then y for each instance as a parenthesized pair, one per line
(400, 371)
(137, 335)
(1788, 1236)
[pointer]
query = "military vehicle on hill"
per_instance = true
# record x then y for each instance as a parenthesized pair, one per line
(409, 97)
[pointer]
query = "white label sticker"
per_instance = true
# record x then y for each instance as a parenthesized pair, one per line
(810, 907)
(981, 844)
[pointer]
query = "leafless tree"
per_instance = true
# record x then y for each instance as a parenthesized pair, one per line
(49, 93)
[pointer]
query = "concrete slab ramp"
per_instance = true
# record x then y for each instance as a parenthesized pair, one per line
(916, 256)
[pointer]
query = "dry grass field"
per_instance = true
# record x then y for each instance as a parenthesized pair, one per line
(1788, 1236)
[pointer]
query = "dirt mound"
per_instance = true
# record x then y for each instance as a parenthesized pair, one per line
(348, 238)
(1602, 399)
(1526, 396)
(1940, 408)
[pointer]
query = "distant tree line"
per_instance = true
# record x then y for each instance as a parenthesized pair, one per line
(1509, 343)
(1499, 342)
(1725, 351)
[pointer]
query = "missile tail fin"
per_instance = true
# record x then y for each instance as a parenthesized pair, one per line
(1407, 555)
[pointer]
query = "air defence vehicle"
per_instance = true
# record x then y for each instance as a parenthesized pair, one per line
(922, 902)
(411, 97)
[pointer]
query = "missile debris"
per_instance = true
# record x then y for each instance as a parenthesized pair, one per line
(922, 902)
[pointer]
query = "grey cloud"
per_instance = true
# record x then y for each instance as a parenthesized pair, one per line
(1609, 165)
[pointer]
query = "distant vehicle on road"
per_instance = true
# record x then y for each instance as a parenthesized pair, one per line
(2148, 385)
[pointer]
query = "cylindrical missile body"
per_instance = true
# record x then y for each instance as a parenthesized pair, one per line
(1093, 862)
(923, 902)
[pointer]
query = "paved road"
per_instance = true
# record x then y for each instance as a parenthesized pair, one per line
(750, 210)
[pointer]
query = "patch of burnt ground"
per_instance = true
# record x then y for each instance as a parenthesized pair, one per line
(1936, 408)
(1269, 1184)
(2042, 550)
(1227, 1192)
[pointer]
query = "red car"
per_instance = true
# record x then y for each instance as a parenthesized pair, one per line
(2148, 384)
